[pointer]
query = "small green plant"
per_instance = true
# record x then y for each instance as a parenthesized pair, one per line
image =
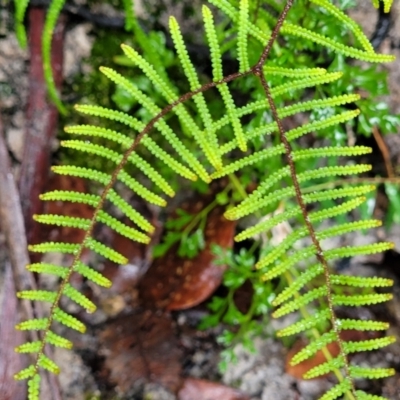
(205, 134)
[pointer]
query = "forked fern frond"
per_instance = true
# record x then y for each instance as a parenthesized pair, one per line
(227, 145)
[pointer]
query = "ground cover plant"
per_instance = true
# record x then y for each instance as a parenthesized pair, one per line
(176, 125)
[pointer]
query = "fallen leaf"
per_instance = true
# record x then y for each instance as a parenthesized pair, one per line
(176, 283)
(199, 389)
(144, 347)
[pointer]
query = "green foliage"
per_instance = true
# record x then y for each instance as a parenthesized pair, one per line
(203, 136)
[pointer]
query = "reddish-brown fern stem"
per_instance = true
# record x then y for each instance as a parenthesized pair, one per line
(258, 71)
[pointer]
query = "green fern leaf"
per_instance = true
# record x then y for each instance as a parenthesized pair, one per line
(68, 320)
(105, 251)
(242, 36)
(29, 347)
(365, 396)
(35, 324)
(305, 277)
(347, 21)
(91, 274)
(25, 374)
(57, 340)
(361, 325)
(147, 103)
(313, 347)
(34, 387)
(79, 298)
(74, 197)
(48, 364)
(366, 345)
(20, 9)
(121, 228)
(147, 142)
(371, 373)
(37, 295)
(322, 369)
(300, 302)
(331, 152)
(135, 159)
(306, 323)
(48, 29)
(360, 300)
(360, 281)
(212, 39)
(296, 30)
(338, 390)
(62, 220)
(51, 269)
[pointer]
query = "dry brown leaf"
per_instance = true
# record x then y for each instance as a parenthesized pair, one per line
(176, 283)
(142, 347)
(199, 389)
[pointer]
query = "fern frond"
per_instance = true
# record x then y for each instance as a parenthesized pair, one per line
(51, 247)
(293, 72)
(89, 273)
(305, 277)
(68, 320)
(305, 324)
(360, 300)
(147, 103)
(330, 152)
(313, 347)
(347, 21)
(231, 12)
(371, 373)
(147, 142)
(105, 251)
(361, 325)
(48, 364)
(242, 36)
(80, 299)
(114, 156)
(104, 178)
(36, 324)
(292, 212)
(208, 142)
(62, 220)
(37, 295)
(212, 39)
(51, 269)
(20, 9)
(48, 29)
(57, 340)
(366, 345)
(296, 30)
(360, 281)
(121, 228)
(365, 396)
(300, 302)
(29, 347)
(322, 369)
(338, 390)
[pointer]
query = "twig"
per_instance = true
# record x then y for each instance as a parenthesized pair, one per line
(385, 152)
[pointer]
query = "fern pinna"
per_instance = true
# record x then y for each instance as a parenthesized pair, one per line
(228, 146)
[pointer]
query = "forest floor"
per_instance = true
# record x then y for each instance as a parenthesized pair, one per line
(133, 348)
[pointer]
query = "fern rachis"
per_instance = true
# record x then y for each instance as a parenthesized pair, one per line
(280, 261)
